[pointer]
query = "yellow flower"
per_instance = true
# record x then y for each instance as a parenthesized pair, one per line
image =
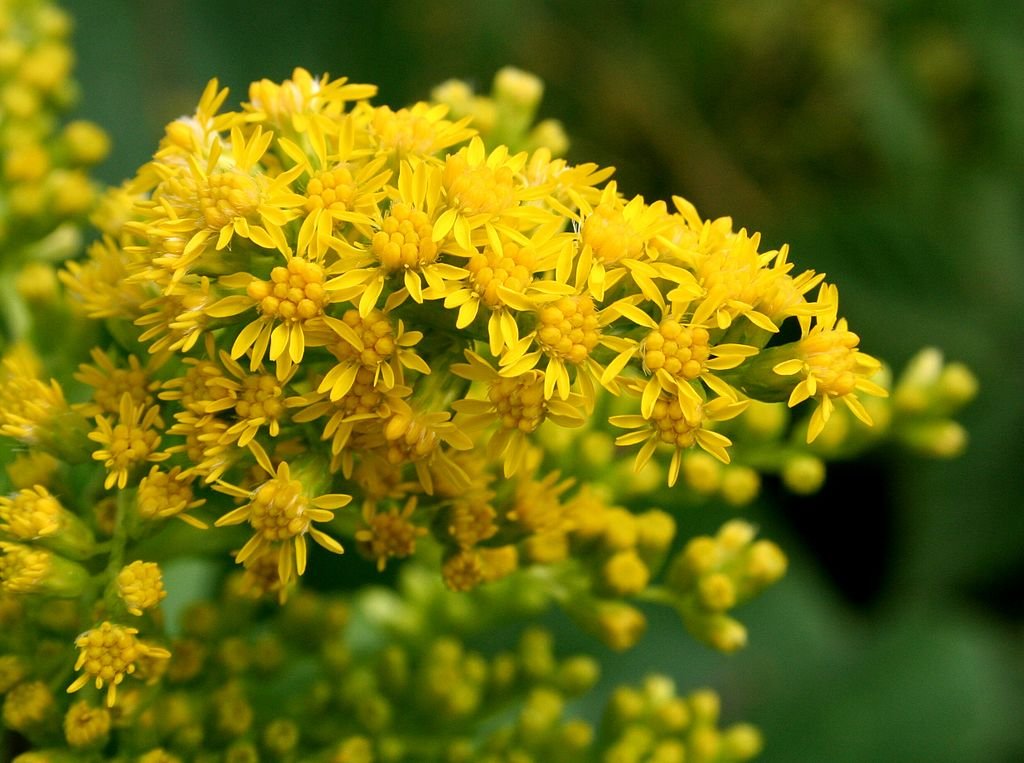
(625, 574)
(32, 410)
(471, 519)
(500, 277)
(110, 383)
(31, 514)
(258, 402)
(463, 570)
(32, 467)
(680, 423)
(537, 507)
(342, 187)
(207, 445)
(674, 354)
(128, 443)
(174, 320)
(27, 706)
(107, 654)
(420, 130)
(101, 284)
(24, 569)
(203, 389)
(211, 196)
(371, 342)
(614, 240)
(516, 404)
(140, 586)
(293, 296)
(303, 103)
(86, 726)
(569, 329)
(416, 437)
(570, 187)
(830, 366)
(401, 244)
(167, 494)
(361, 410)
(281, 515)
(389, 534)
(481, 188)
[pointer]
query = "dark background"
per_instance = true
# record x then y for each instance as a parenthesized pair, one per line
(884, 141)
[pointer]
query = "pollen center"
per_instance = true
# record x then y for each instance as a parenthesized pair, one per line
(512, 268)
(569, 328)
(674, 425)
(610, 235)
(108, 653)
(331, 189)
(404, 240)
(680, 350)
(520, 401)
(260, 398)
(278, 510)
(832, 358)
(478, 190)
(377, 337)
(228, 195)
(293, 293)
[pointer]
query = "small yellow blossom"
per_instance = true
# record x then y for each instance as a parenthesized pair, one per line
(417, 437)
(258, 399)
(140, 586)
(111, 383)
(31, 514)
(389, 534)
(281, 516)
(677, 422)
(128, 443)
(86, 726)
(167, 494)
(614, 240)
(830, 367)
(107, 654)
(463, 570)
(30, 409)
(28, 705)
(24, 569)
(294, 295)
(420, 130)
(372, 342)
(516, 404)
(303, 103)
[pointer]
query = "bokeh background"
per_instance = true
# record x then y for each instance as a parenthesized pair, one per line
(884, 140)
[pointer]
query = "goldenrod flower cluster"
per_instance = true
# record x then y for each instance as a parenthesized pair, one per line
(420, 337)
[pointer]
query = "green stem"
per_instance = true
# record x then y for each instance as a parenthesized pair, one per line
(118, 545)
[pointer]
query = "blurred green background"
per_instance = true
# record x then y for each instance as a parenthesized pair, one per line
(885, 142)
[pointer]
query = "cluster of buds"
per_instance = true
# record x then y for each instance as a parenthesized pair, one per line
(711, 575)
(653, 723)
(232, 693)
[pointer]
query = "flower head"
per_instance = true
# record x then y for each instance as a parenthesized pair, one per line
(682, 424)
(108, 653)
(281, 515)
(86, 725)
(830, 367)
(389, 534)
(140, 586)
(128, 443)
